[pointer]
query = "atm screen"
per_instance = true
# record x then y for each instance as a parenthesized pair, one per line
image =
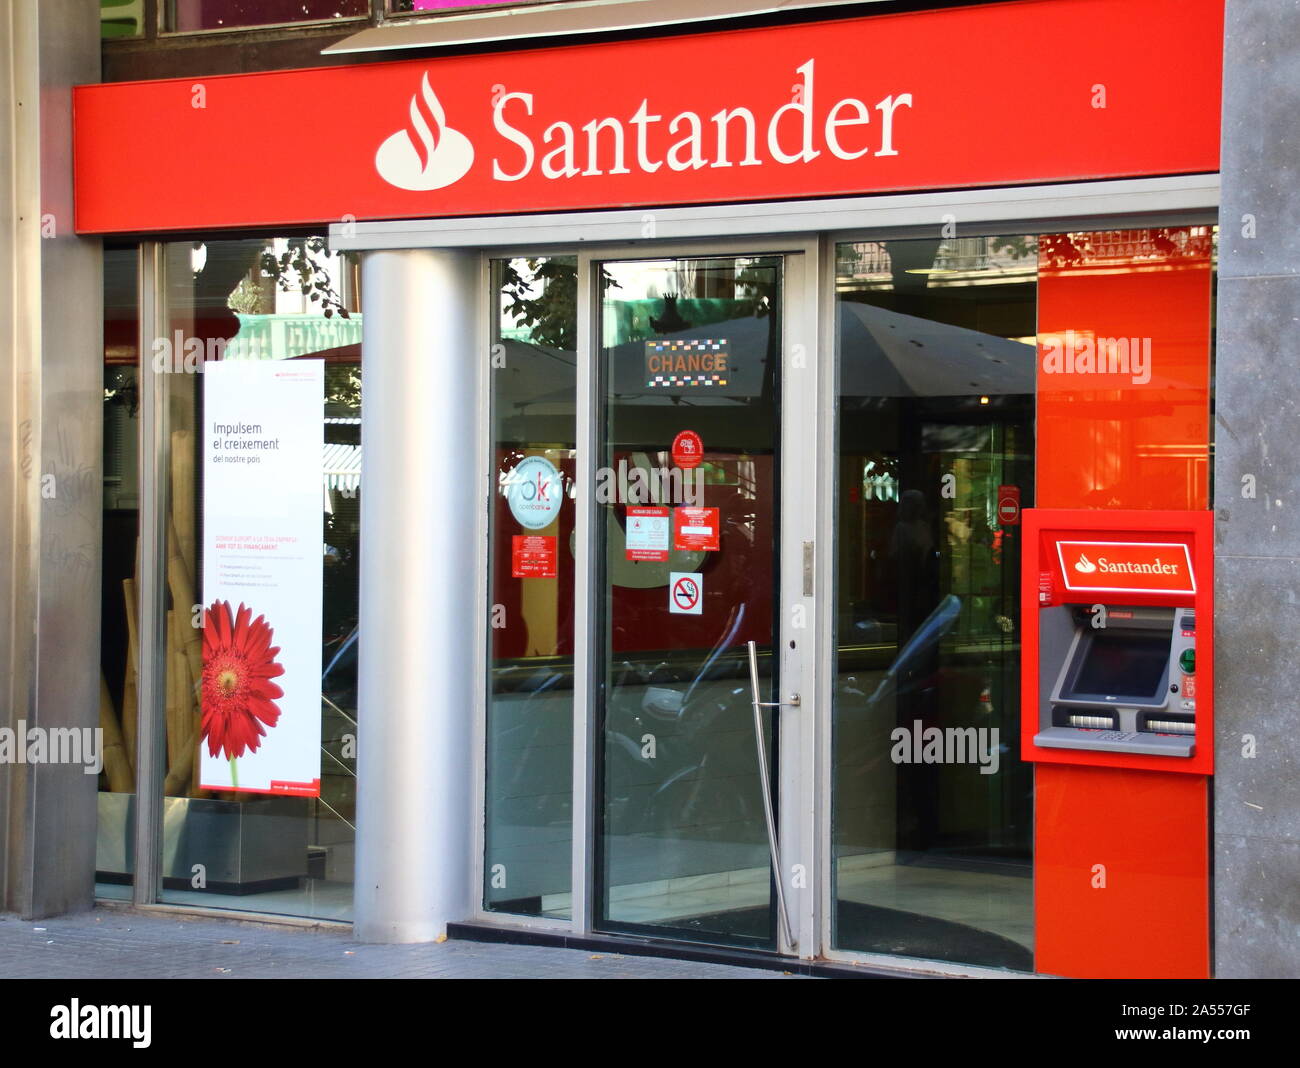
(1122, 665)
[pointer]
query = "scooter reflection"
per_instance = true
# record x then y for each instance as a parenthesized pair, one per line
(672, 758)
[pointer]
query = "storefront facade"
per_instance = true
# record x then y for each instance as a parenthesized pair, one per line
(674, 587)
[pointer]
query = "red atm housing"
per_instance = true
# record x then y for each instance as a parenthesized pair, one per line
(1056, 542)
(1121, 840)
(1056, 539)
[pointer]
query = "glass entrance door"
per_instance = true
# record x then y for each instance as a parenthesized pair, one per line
(689, 502)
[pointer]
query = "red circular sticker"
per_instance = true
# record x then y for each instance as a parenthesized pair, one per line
(688, 449)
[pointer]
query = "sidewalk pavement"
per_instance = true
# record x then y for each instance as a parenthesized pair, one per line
(119, 943)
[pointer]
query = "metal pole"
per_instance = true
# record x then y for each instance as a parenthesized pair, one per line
(151, 649)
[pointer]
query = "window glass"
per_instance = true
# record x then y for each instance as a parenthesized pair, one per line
(1123, 319)
(259, 795)
(529, 773)
(688, 497)
(121, 18)
(398, 7)
(190, 15)
(119, 601)
(932, 806)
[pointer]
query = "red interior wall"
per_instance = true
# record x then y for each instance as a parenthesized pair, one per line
(1105, 441)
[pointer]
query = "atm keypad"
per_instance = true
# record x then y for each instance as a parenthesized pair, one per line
(1117, 736)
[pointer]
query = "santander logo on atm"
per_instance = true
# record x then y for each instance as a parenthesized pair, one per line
(428, 154)
(1132, 566)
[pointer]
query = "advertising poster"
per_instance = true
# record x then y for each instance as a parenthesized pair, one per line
(263, 439)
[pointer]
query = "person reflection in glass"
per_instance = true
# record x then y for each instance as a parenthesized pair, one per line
(912, 551)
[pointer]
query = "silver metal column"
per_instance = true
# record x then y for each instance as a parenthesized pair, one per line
(51, 373)
(418, 600)
(151, 668)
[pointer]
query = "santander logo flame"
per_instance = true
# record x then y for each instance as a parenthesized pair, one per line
(428, 154)
(1084, 565)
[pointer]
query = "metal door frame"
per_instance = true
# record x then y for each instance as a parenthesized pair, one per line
(799, 476)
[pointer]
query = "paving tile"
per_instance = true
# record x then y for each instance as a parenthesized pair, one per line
(117, 943)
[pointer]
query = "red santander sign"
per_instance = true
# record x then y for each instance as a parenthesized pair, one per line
(820, 109)
(1126, 567)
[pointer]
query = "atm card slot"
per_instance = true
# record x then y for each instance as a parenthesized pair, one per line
(1101, 723)
(1095, 721)
(1167, 724)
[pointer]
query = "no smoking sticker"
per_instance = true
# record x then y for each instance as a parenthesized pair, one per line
(685, 594)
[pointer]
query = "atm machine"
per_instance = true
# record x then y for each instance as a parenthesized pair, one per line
(1126, 682)
(1117, 686)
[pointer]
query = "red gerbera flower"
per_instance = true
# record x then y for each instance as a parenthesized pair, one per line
(238, 666)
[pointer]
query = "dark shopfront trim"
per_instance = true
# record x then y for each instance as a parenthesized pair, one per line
(628, 945)
(472, 931)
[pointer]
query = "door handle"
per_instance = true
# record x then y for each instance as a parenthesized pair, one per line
(766, 783)
(792, 702)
